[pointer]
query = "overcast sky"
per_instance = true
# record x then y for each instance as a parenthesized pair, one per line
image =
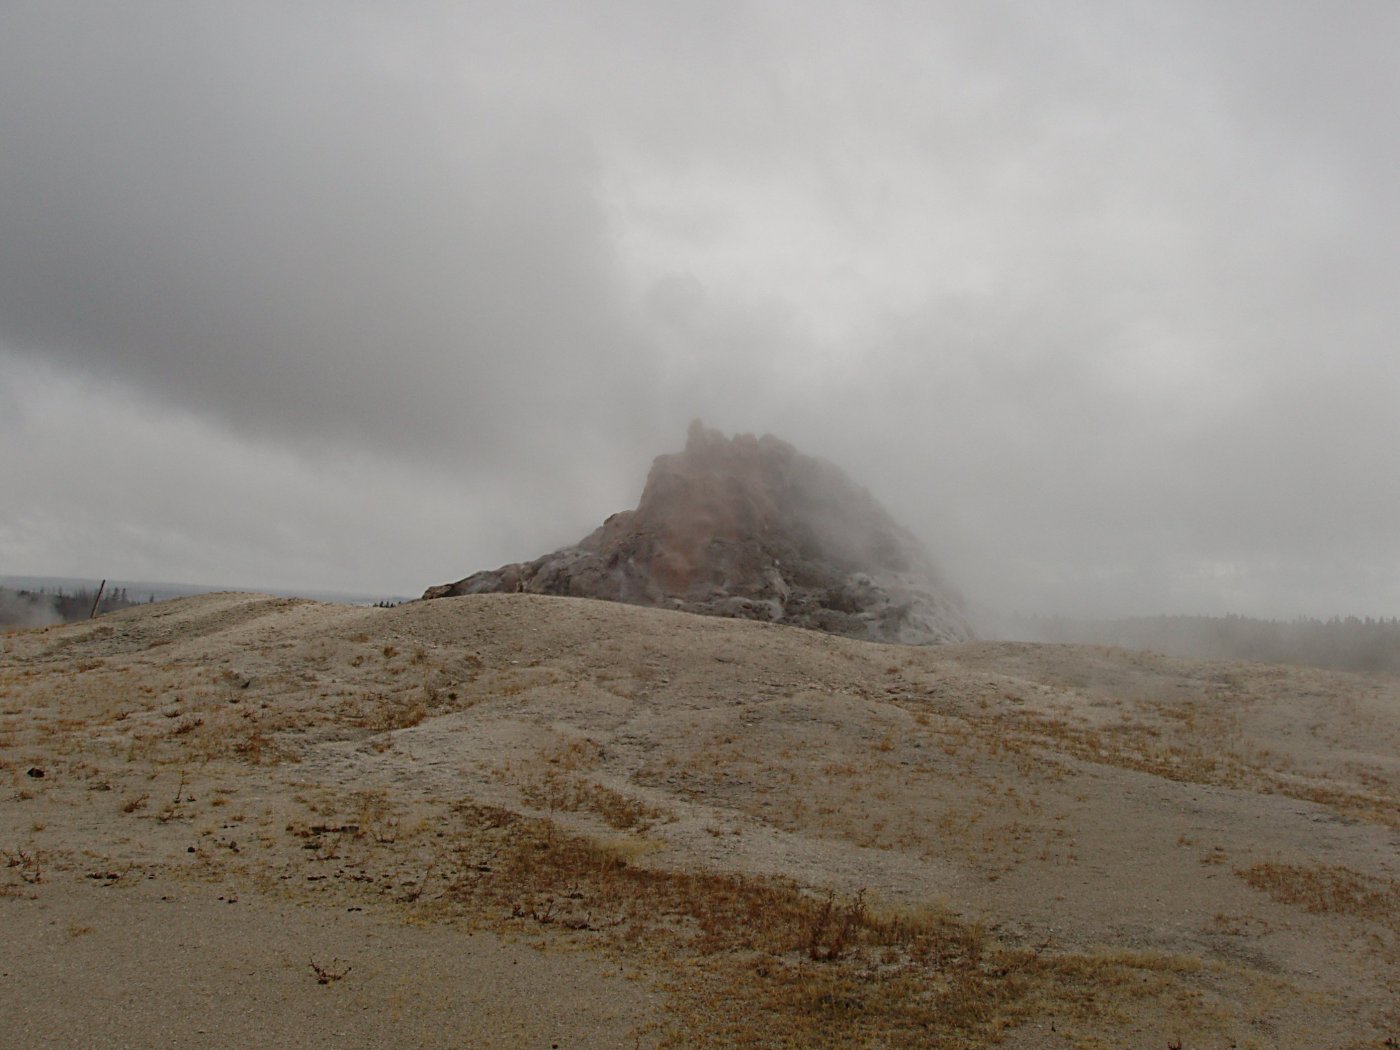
(1100, 299)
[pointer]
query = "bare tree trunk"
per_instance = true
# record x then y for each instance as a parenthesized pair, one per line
(97, 599)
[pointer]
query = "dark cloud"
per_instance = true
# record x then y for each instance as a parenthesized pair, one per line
(263, 216)
(1096, 295)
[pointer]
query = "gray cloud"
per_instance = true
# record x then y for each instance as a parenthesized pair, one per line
(304, 239)
(1097, 296)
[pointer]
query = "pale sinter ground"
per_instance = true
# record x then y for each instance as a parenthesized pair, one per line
(509, 821)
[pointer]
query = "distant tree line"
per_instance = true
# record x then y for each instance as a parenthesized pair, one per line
(24, 608)
(1342, 643)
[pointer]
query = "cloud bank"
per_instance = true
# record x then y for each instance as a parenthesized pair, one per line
(1096, 297)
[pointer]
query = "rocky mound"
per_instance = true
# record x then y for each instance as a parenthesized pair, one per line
(749, 527)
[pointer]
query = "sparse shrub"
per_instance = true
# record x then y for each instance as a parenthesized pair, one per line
(254, 744)
(374, 815)
(187, 725)
(27, 864)
(328, 974)
(829, 937)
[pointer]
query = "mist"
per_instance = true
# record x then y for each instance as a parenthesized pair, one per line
(19, 611)
(1095, 298)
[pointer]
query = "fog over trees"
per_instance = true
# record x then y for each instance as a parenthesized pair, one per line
(1341, 643)
(26, 608)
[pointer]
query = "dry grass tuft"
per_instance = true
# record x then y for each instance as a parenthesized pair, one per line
(395, 712)
(23, 868)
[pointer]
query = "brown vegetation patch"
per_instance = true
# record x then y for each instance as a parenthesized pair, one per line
(759, 961)
(1322, 889)
(555, 791)
(1195, 761)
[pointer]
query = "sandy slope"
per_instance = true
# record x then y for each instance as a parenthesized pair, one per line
(1130, 849)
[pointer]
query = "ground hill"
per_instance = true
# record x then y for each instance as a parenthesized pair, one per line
(519, 820)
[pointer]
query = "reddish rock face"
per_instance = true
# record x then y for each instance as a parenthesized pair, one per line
(750, 527)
